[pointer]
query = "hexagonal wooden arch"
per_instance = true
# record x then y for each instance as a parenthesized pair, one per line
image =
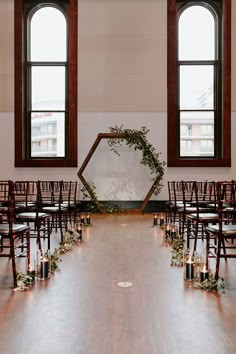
(100, 137)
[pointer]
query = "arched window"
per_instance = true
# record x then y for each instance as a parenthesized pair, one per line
(199, 83)
(46, 75)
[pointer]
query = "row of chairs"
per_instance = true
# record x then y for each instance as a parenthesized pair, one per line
(205, 210)
(32, 209)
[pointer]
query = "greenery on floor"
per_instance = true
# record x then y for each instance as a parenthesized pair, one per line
(177, 259)
(211, 284)
(176, 242)
(94, 205)
(72, 237)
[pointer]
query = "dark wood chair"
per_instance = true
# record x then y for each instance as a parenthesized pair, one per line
(51, 201)
(224, 231)
(203, 212)
(15, 237)
(175, 201)
(70, 200)
(187, 205)
(28, 211)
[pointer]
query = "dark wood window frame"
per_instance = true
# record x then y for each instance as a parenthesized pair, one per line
(21, 159)
(172, 127)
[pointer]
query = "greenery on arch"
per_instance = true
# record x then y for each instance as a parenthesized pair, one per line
(136, 139)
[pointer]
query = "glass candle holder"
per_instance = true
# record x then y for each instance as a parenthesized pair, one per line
(198, 261)
(173, 231)
(79, 231)
(155, 219)
(162, 220)
(204, 273)
(167, 230)
(189, 266)
(88, 221)
(82, 218)
(31, 273)
(43, 265)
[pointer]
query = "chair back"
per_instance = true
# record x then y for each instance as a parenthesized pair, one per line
(188, 193)
(5, 199)
(205, 196)
(226, 201)
(26, 195)
(50, 193)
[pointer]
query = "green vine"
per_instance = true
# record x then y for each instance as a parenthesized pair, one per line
(177, 259)
(71, 237)
(96, 206)
(150, 158)
(177, 252)
(138, 140)
(211, 284)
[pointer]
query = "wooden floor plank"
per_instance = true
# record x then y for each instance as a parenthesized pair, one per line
(82, 310)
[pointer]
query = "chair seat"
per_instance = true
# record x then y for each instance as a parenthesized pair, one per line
(229, 209)
(54, 209)
(51, 209)
(203, 216)
(63, 205)
(31, 215)
(189, 210)
(3, 209)
(180, 204)
(4, 228)
(227, 230)
(24, 204)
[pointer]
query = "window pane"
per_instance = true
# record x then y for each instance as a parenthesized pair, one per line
(206, 147)
(196, 34)
(186, 130)
(186, 147)
(197, 120)
(47, 134)
(48, 35)
(196, 87)
(206, 130)
(48, 88)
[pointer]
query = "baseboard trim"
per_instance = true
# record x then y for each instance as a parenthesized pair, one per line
(151, 207)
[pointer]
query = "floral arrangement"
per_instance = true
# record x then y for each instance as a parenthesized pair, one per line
(71, 237)
(24, 281)
(211, 284)
(177, 244)
(138, 140)
(177, 259)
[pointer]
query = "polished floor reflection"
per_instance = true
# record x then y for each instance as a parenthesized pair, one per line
(82, 309)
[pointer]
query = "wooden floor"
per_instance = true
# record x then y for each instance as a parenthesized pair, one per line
(82, 310)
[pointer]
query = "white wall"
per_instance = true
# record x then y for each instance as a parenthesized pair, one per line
(122, 80)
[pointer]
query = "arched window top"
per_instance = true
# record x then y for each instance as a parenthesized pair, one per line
(196, 34)
(48, 34)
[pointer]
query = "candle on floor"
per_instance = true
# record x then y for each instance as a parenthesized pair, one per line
(167, 232)
(82, 218)
(155, 219)
(44, 268)
(173, 232)
(79, 233)
(189, 267)
(204, 274)
(31, 273)
(88, 219)
(198, 261)
(162, 220)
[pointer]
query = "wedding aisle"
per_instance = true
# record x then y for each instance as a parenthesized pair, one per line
(116, 293)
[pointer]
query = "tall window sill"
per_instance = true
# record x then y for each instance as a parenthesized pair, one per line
(46, 163)
(199, 163)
